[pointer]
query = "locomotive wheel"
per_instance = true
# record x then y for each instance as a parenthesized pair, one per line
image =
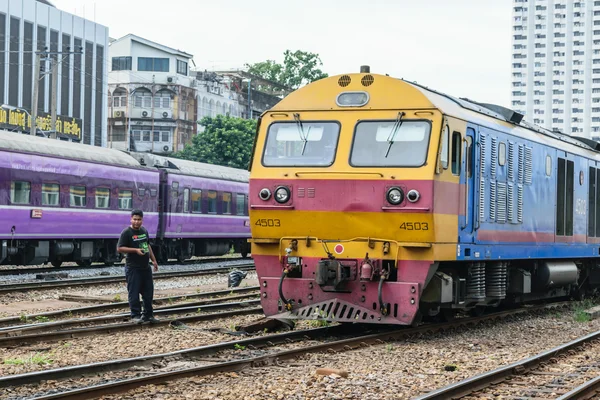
(447, 314)
(83, 263)
(56, 263)
(477, 311)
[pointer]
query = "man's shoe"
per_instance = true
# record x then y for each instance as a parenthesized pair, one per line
(137, 320)
(152, 320)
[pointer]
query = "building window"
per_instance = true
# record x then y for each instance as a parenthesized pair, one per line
(125, 199)
(77, 196)
(156, 136)
(102, 198)
(50, 194)
(146, 136)
(166, 136)
(212, 201)
(153, 64)
(137, 136)
(182, 67)
(196, 201)
(121, 63)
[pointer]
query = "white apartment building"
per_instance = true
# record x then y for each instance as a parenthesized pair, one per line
(152, 103)
(556, 64)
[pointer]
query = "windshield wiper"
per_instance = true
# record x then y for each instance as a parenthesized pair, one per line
(395, 129)
(303, 137)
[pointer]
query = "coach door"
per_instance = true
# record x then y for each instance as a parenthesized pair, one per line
(467, 186)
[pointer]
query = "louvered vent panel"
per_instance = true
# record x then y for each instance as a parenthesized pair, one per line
(520, 163)
(482, 156)
(501, 209)
(511, 160)
(481, 199)
(510, 203)
(494, 157)
(528, 166)
(481, 178)
(492, 201)
(520, 203)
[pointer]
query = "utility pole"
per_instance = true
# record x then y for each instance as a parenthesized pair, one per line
(36, 92)
(54, 69)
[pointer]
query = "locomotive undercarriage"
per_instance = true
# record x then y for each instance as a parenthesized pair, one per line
(471, 287)
(85, 252)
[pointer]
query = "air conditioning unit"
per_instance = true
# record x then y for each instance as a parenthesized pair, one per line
(171, 79)
(166, 114)
(119, 114)
(144, 114)
(166, 148)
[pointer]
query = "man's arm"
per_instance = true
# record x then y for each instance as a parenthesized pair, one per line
(153, 258)
(122, 248)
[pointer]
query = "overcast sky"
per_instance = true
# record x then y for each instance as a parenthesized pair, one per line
(462, 47)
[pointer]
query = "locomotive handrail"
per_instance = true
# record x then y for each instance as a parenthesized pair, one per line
(467, 185)
(298, 174)
(270, 207)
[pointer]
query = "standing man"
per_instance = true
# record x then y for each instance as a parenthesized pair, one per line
(135, 243)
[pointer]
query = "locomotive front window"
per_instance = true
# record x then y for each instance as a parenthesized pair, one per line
(301, 143)
(390, 144)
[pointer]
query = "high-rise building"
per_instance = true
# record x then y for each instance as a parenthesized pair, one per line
(76, 47)
(556, 64)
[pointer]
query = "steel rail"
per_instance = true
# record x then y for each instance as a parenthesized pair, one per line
(586, 390)
(263, 341)
(101, 280)
(121, 304)
(42, 270)
(88, 331)
(486, 379)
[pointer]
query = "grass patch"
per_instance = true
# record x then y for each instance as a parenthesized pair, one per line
(579, 310)
(42, 318)
(117, 298)
(34, 359)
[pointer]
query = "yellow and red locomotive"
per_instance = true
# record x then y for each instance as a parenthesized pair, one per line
(377, 200)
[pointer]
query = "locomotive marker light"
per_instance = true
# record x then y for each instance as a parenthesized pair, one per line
(282, 194)
(413, 195)
(264, 194)
(395, 195)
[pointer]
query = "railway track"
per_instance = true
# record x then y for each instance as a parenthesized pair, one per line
(537, 376)
(100, 280)
(8, 321)
(228, 360)
(42, 270)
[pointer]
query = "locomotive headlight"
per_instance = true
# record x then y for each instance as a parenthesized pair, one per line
(395, 195)
(282, 194)
(264, 194)
(413, 195)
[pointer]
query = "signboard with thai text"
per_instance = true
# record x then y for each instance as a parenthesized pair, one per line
(17, 120)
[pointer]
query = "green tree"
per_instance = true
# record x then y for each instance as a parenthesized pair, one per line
(298, 69)
(225, 141)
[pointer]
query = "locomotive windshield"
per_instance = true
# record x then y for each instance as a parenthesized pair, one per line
(307, 144)
(390, 144)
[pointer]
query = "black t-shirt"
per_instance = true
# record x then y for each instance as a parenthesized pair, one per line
(136, 239)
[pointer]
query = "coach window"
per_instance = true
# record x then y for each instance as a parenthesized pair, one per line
(125, 199)
(186, 200)
(212, 201)
(226, 203)
(456, 150)
(50, 194)
(77, 196)
(20, 192)
(153, 192)
(141, 192)
(102, 197)
(196, 201)
(240, 204)
(548, 165)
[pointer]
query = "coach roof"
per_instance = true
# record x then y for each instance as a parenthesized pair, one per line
(21, 143)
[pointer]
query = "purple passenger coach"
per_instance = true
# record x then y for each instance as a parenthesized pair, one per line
(62, 201)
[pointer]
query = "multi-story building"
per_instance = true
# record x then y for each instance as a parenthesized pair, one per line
(217, 96)
(556, 64)
(76, 48)
(152, 97)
